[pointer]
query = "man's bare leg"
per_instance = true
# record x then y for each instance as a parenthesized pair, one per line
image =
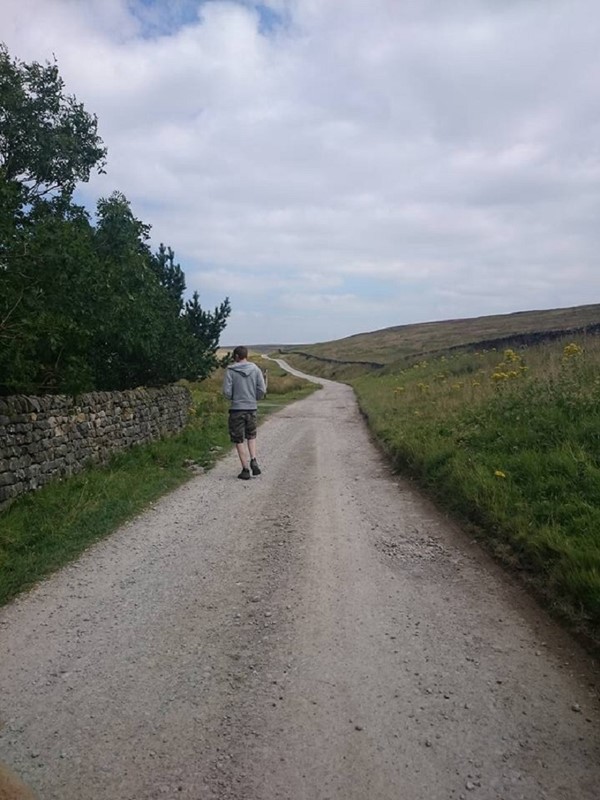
(243, 454)
(256, 470)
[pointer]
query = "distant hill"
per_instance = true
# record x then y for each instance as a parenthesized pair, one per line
(255, 348)
(407, 342)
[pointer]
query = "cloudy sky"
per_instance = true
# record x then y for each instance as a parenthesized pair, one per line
(338, 166)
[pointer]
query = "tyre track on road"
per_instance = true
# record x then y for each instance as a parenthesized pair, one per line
(319, 632)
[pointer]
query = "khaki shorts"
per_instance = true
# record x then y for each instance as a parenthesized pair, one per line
(242, 425)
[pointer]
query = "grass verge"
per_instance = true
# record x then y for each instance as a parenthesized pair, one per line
(510, 443)
(42, 531)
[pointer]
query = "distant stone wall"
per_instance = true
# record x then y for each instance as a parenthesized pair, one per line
(44, 438)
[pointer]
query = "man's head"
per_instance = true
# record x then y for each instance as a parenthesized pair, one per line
(240, 353)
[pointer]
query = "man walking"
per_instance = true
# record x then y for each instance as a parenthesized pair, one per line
(243, 386)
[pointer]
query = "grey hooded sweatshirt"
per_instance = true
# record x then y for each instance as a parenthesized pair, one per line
(243, 385)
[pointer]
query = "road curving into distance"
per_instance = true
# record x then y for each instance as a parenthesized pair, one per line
(317, 633)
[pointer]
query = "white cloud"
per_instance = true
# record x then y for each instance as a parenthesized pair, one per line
(366, 163)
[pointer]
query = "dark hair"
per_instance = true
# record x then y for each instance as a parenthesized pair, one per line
(240, 353)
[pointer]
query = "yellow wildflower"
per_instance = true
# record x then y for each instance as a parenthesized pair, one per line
(572, 350)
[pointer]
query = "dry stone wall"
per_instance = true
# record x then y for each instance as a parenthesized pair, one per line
(45, 438)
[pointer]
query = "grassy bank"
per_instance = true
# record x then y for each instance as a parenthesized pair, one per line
(390, 346)
(510, 442)
(42, 531)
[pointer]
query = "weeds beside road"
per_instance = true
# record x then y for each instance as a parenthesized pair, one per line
(44, 530)
(318, 632)
(510, 442)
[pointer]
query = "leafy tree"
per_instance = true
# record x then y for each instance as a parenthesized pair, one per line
(48, 142)
(82, 306)
(170, 274)
(47, 303)
(145, 336)
(206, 328)
(134, 306)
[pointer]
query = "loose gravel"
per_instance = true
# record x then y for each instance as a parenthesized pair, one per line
(317, 633)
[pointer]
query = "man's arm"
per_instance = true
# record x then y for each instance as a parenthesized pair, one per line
(261, 387)
(228, 385)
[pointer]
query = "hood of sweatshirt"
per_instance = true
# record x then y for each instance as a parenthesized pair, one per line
(242, 369)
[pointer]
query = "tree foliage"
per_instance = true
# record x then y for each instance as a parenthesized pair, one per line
(48, 141)
(83, 304)
(206, 328)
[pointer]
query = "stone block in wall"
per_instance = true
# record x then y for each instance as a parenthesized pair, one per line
(5, 493)
(19, 462)
(12, 490)
(6, 478)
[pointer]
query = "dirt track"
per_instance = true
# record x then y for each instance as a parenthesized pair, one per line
(318, 633)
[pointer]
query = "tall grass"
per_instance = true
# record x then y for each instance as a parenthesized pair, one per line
(510, 441)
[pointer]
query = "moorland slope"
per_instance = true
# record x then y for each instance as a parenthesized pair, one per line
(405, 342)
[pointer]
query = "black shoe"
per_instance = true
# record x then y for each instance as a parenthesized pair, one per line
(245, 474)
(254, 467)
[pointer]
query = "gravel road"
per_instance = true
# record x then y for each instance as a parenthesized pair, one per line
(317, 633)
